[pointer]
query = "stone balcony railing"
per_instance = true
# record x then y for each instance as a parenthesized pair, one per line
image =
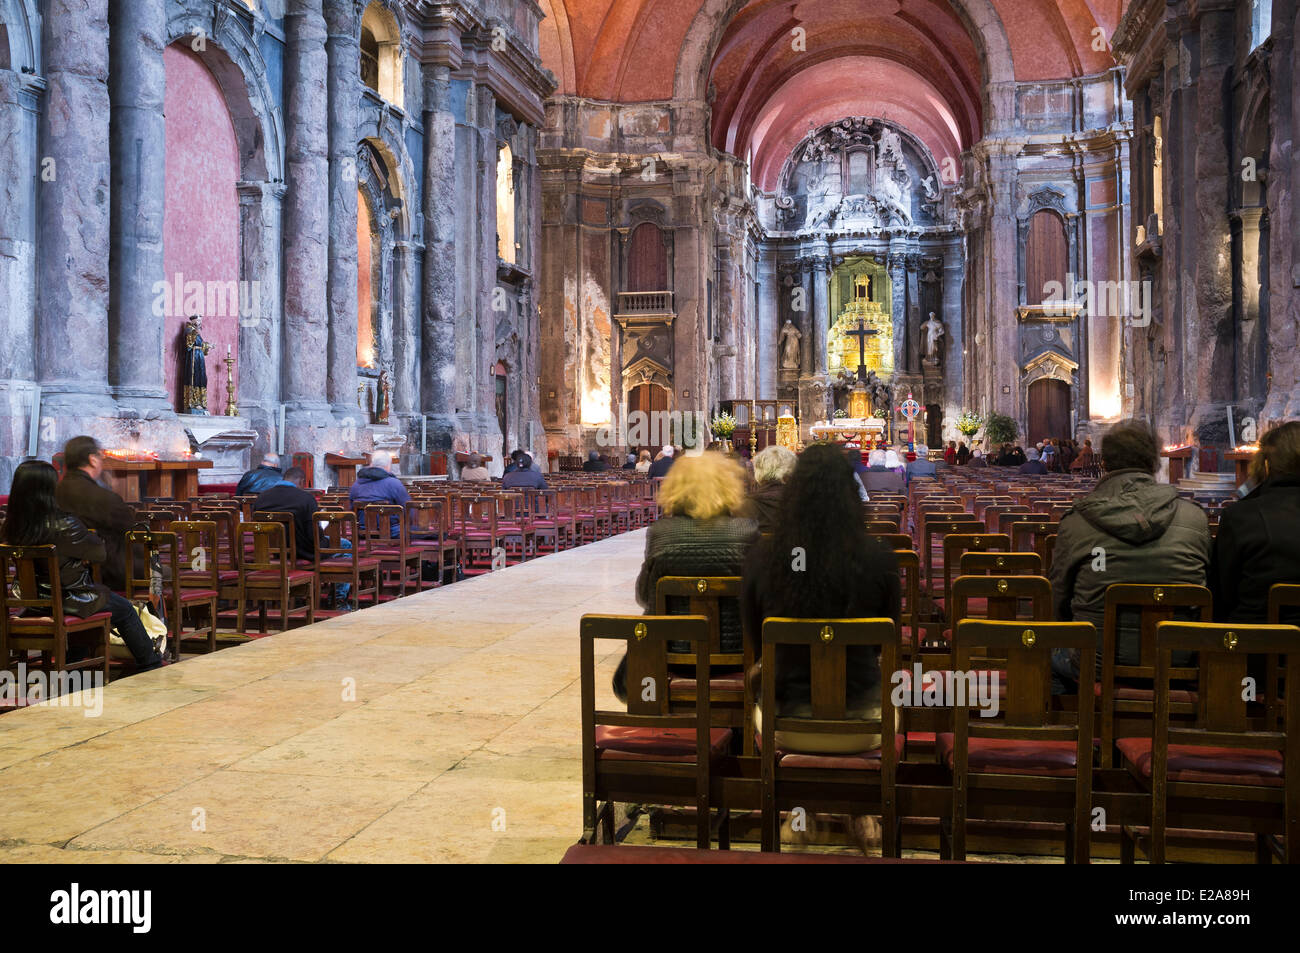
(637, 303)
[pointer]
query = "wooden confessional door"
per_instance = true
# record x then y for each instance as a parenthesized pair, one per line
(1049, 410)
(647, 399)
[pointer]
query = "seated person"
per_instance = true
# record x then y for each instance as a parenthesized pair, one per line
(772, 465)
(595, 464)
(35, 519)
(288, 496)
(1032, 464)
(888, 476)
(1258, 541)
(643, 462)
(701, 533)
(662, 462)
(261, 477)
(921, 466)
(876, 461)
(474, 471)
(80, 494)
(963, 454)
(1148, 534)
(847, 575)
(513, 463)
(950, 453)
(375, 484)
(629, 462)
(977, 458)
(524, 477)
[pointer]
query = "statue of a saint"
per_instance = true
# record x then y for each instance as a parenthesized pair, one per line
(790, 338)
(383, 398)
(934, 332)
(194, 371)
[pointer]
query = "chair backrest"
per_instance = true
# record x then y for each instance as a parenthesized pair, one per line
(1001, 564)
(478, 513)
(333, 529)
(265, 549)
(894, 541)
(285, 519)
(1154, 604)
(827, 641)
(28, 566)
(704, 595)
(378, 522)
(1034, 531)
(955, 544)
(197, 560)
(141, 549)
(1024, 652)
(909, 566)
(424, 519)
(307, 463)
(876, 527)
(1222, 715)
(1283, 596)
(1003, 595)
(647, 639)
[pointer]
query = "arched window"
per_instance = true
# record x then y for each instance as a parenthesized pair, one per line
(506, 204)
(381, 54)
(367, 353)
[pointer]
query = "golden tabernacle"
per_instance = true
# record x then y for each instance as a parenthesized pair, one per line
(842, 347)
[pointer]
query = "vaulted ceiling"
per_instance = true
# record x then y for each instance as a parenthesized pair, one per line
(777, 68)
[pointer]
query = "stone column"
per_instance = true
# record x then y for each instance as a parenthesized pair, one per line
(954, 364)
(438, 323)
(343, 50)
(486, 230)
(137, 88)
(73, 216)
(821, 267)
(260, 332)
(306, 217)
(769, 329)
(1212, 344)
(407, 257)
(914, 316)
(1000, 246)
(898, 304)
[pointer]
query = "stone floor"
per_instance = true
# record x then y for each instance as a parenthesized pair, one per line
(462, 743)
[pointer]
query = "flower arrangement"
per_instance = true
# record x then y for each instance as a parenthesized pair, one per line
(969, 423)
(723, 426)
(840, 414)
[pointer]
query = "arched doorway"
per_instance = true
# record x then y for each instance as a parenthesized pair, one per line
(1049, 410)
(502, 396)
(644, 432)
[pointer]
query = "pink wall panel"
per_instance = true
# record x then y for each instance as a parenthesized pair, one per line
(365, 303)
(201, 218)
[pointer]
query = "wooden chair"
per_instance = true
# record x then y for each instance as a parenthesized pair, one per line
(547, 524)
(268, 574)
(854, 783)
(1036, 531)
(285, 519)
(1127, 710)
(426, 528)
(942, 528)
(954, 546)
(911, 630)
(338, 564)
(730, 702)
(400, 564)
(878, 527)
(1226, 770)
(894, 541)
(1001, 564)
(648, 754)
(479, 534)
(515, 524)
(30, 622)
(1283, 609)
(175, 599)
(1036, 763)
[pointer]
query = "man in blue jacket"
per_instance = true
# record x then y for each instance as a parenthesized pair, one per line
(375, 484)
(262, 478)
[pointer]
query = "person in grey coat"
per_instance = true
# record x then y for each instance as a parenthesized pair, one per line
(1129, 529)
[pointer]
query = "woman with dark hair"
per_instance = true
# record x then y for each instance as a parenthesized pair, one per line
(34, 519)
(1258, 541)
(844, 573)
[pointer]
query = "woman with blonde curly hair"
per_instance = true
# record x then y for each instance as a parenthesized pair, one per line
(701, 533)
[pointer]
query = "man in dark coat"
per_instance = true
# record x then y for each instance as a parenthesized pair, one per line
(288, 496)
(99, 508)
(594, 463)
(525, 477)
(260, 478)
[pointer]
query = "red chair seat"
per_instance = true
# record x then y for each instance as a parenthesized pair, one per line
(1193, 763)
(1053, 759)
(725, 682)
(193, 595)
(345, 562)
(22, 623)
(223, 576)
(619, 743)
(263, 576)
(863, 761)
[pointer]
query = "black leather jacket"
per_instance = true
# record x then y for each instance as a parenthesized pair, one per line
(77, 548)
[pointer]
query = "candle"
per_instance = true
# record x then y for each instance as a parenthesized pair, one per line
(227, 350)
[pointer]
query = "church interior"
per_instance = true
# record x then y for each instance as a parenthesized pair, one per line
(407, 405)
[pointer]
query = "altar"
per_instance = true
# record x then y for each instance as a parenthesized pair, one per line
(853, 433)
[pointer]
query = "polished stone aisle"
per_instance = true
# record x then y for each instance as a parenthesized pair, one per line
(462, 743)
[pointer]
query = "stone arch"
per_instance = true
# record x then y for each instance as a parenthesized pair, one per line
(20, 36)
(555, 43)
(997, 72)
(1254, 136)
(379, 202)
(229, 50)
(384, 134)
